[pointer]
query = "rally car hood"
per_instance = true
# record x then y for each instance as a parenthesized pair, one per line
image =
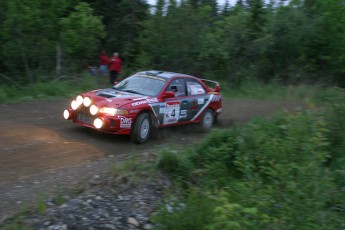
(114, 98)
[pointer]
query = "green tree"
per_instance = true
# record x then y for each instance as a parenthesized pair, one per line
(325, 48)
(225, 47)
(28, 33)
(283, 44)
(304, 42)
(123, 24)
(33, 33)
(167, 45)
(80, 34)
(257, 18)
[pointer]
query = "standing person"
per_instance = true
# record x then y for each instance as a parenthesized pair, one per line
(103, 61)
(115, 63)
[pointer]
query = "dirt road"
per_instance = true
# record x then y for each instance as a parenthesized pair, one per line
(41, 153)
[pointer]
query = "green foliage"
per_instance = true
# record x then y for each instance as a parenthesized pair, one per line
(28, 36)
(282, 173)
(168, 46)
(129, 165)
(47, 90)
(214, 158)
(328, 36)
(194, 214)
(123, 25)
(32, 30)
(18, 221)
(275, 91)
(41, 205)
(296, 42)
(178, 165)
(81, 32)
(336, 121)
(235, 216)
(289, 43)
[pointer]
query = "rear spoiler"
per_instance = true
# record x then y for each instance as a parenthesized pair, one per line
(213, 85)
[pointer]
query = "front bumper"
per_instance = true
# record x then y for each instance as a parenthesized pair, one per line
(110, 124)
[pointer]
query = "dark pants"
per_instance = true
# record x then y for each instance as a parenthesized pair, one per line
(113, 76)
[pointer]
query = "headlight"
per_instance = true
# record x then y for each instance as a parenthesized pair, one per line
(74, 105)
(87, 101)
(113, 111)
(79, 100)
(121, 112)
(94, 109)
(110, 111)
(98, 123)
(66, 114)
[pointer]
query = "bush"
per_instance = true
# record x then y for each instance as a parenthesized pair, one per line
(283, 173)
(177, 165)
(193, 213)
(335, 123)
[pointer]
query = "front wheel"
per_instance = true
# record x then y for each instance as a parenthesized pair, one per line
(207, 120)
(141, 129)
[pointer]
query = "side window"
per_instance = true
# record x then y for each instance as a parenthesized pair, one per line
(178, 87)
(195, 88)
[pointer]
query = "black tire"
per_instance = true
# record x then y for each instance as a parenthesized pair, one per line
(207, 120)
(141, 129)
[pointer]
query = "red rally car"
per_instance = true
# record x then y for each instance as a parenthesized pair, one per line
(146, 100)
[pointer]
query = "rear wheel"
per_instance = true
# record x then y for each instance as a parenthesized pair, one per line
(207, 120)
(141, 129)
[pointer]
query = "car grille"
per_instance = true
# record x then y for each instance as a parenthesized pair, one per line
(84, 116)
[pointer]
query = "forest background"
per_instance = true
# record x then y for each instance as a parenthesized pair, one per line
(289, 42)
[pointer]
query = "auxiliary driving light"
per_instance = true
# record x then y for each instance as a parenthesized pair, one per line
(80, 100)
(66, 114)
(74, 105)
(87, 101)
(93, 110)
(98, 123)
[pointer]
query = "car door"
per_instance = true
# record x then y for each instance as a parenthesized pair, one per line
(198, 99)
(190, 100)
(176, 107)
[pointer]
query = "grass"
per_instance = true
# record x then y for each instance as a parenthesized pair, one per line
(130, 170)
(276, 92)
(50, 90)
(17, 222)
(41, 204)
(70, 86)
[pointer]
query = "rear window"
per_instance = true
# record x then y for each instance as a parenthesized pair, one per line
(195, 88)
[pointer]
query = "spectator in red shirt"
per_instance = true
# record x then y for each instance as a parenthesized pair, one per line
(115, 63)
(103, 67)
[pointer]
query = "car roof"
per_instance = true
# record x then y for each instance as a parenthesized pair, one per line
(163, 74)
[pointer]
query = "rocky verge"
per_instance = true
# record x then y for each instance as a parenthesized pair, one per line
(103, 206)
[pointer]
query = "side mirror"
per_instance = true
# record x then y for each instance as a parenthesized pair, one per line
(217, 89)
(169, 94)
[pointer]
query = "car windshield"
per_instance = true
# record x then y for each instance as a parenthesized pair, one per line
(148, 86)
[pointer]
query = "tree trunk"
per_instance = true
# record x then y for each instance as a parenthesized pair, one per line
(58, 59)
(24, 57)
